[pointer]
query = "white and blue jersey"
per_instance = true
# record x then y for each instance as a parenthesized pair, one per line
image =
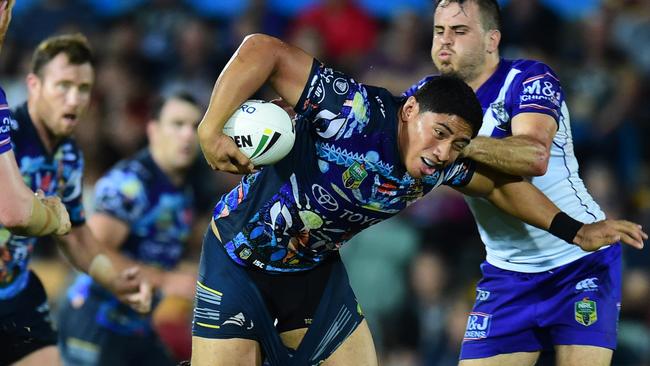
(5, 123)
(159, 215)
(343, 175)
(59, 173)
(525, 86)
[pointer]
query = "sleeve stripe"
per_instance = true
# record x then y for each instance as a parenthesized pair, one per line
(537, 106)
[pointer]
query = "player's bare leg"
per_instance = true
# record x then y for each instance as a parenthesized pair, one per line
(225, 352)
(44, 356)
(583, 355)
(510, 359)
(358, 349)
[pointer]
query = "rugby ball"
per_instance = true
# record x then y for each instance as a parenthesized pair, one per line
(262, 130)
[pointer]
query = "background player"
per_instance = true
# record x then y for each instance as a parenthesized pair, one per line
(144, 207)
(59, 93)
(21, 211)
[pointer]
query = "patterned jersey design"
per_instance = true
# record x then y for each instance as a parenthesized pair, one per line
(5, 123)
(343, 175)
(159, 215)
(525, 86)
(59, 173)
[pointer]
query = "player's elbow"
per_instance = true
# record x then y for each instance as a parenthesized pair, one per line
(259, 46)
(539, 164)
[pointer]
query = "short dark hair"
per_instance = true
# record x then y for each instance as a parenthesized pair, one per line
(448, 94)
(75, 46)
(161, 101)
(490, 12)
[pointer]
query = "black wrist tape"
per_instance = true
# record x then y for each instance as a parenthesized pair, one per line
(565, 227)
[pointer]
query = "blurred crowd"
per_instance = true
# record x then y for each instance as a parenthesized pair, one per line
(415, 274)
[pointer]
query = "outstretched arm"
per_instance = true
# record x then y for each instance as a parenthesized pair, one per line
(259, 59)
(525, 153)
(107, 267)
(521, 199)
(113, 233)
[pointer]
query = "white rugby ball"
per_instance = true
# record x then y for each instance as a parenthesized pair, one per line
(262, 130)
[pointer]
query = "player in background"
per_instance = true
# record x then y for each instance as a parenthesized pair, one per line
(143, 207)
(21, 211)
(59, 86)
(537, 293)
(360, 156)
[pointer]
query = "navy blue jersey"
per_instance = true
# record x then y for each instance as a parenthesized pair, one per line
(159, 215)
(5, 123)
(59, 173)
(343, 175)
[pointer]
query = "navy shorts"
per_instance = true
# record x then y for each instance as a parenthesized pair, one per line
(238, 302)
(25, 323)
(84, 341)
(575, 304)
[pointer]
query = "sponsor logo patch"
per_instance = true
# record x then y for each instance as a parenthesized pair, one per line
(588, 284)
(478, 326)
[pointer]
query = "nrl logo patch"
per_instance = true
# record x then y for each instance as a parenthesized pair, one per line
(586, 312)
(354, 175)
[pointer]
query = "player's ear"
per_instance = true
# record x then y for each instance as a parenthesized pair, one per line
(494, 38)
(410, 108)
(33, 83)
(152, 128)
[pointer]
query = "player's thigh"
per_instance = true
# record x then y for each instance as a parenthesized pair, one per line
(509, 359)
(570, 355)
(45, 356)
(358, 349)
(225, 352)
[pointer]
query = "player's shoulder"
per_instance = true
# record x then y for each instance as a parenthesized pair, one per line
(528, 67)
(126, 176)
(20, 120)
(137, 167)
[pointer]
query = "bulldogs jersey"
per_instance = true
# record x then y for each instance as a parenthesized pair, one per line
(524, 86)
(5, 123)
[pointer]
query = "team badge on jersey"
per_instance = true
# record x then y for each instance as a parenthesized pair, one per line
(354, 175)
(586, 312)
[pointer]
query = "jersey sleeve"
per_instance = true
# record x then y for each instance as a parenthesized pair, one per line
(460, 173)
(415, 87)
(5, 124)
(121, 194)
(537, 90)
(334, 104)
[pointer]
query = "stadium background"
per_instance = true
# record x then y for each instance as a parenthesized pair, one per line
(414, 274)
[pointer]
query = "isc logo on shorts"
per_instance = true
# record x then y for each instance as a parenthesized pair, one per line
(478, 326)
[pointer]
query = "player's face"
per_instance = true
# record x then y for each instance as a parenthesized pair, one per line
(432, 141)
(460, 44)
(61, 94)
(174, 135)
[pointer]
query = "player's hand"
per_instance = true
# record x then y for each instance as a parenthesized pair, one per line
(593, 236)
(55, 204)
(222, 153)
(131, 289)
